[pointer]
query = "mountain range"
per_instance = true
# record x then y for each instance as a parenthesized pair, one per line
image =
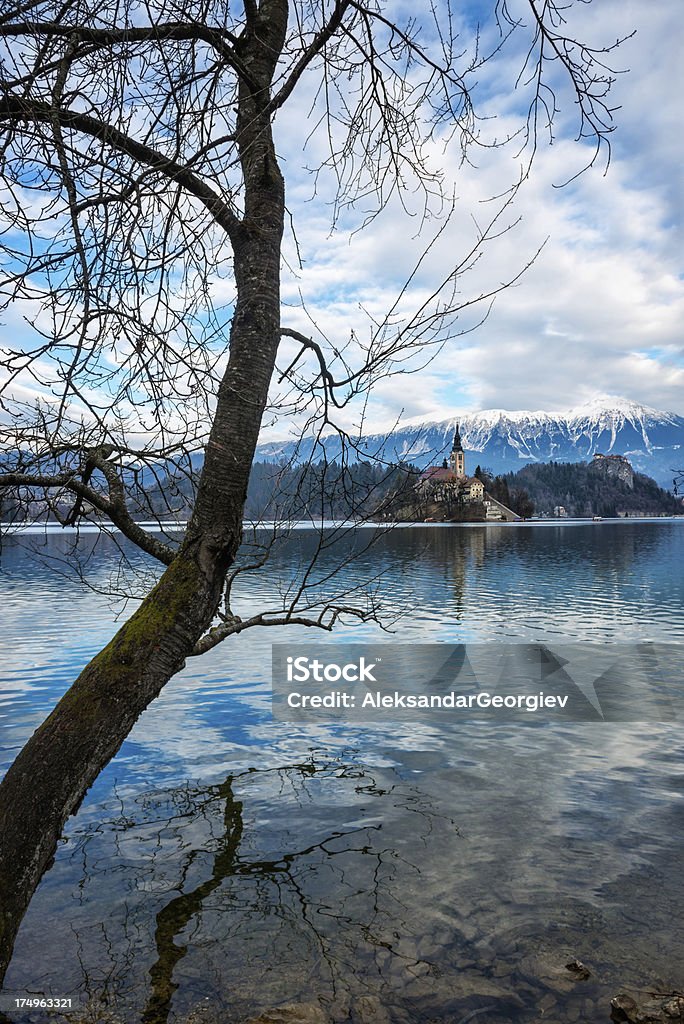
(505, 441)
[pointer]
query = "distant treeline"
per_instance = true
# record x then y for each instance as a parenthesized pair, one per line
(327, 490)
(369, 490)
(509, 491)
(583, 489)
(316, 491)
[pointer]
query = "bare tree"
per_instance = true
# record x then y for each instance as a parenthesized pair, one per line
(140, 184)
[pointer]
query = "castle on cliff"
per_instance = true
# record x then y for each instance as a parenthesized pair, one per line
(615, 466)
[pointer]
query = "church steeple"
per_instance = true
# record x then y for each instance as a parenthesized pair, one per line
(457, 446)
(457, 458)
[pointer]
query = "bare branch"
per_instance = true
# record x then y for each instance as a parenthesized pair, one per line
(113, 506)
(17, 110)
(315, 47)
(326, 620)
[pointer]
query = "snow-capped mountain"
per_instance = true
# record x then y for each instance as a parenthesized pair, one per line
(504, 441)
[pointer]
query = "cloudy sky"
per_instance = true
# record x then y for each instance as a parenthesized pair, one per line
(600, 311)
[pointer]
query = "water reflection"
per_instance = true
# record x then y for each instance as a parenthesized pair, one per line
(276, 895)
(458, 881)
(593, 582)
(448, 873)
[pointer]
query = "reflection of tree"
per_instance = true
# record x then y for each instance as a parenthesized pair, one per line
(174, 917)
(334, 914)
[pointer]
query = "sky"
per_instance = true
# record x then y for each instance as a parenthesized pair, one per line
(599, 311)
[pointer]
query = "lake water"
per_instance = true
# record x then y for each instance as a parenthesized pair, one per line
(442, 872)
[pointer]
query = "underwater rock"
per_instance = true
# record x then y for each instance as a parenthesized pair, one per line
(292, 1013)
(577, 968)
(658, 1008)
(370, 1010)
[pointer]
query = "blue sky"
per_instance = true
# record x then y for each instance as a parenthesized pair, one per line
(601, 309)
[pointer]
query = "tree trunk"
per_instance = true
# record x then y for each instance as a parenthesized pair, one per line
(53, 772)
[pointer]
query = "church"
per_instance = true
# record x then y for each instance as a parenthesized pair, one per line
(449, 482)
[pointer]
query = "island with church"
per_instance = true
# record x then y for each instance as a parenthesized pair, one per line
(605, 486)
(379, 490)
(446, 493)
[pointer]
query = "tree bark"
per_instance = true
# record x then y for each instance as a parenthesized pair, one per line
(53, 772)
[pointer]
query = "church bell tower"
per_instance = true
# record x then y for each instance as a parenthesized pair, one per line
(457, 457)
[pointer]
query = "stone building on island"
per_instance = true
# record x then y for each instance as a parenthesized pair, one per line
(450, 485)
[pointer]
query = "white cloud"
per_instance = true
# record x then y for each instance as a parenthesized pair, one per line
(601, 308)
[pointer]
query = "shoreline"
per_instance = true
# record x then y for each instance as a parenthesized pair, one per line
(10, 529)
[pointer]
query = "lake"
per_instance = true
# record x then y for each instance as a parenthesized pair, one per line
(432, 872)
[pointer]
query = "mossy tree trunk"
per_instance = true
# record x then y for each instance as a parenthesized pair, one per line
(51, 775)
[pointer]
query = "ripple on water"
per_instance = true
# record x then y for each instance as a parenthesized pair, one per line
(441, 870)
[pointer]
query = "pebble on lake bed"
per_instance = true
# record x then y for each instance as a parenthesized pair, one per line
(577, 968)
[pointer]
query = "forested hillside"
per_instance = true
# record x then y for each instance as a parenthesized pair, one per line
(366, 490)
(584, 490)
(310, 492)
